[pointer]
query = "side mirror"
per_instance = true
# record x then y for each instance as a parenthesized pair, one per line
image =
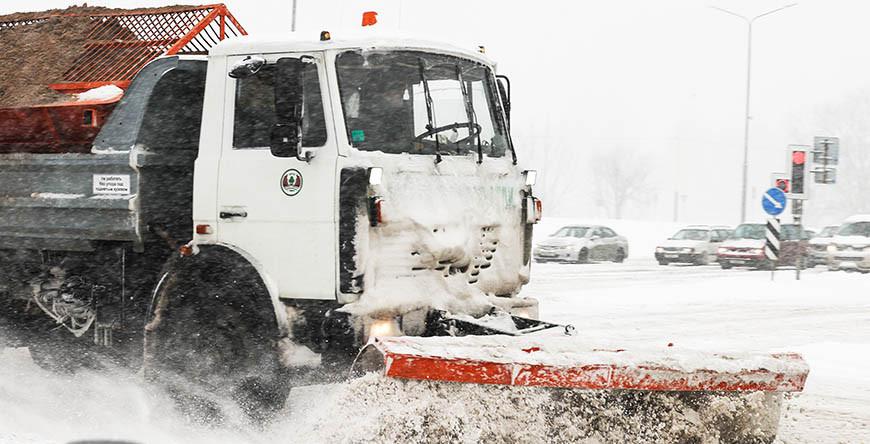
(504, 90)
(286, 140)
(247, 67)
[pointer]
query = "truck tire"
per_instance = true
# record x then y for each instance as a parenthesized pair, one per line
(213, 336)
(725, 265)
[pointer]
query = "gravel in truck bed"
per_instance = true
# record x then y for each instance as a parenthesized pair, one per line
(36, 55)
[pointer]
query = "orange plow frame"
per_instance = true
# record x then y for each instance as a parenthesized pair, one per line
(534, 362)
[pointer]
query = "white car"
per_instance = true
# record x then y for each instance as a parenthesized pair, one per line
(850, 248)
(696, 244)
(818, 246)
(582, 243)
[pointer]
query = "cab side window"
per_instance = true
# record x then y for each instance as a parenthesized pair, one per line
(254, 115)
(607, 232)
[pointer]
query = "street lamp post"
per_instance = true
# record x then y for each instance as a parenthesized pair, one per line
(749, 21)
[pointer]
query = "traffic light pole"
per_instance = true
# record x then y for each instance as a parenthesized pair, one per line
(797, 212)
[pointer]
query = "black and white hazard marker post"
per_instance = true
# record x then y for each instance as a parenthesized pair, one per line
(773, 202)
(771, 243)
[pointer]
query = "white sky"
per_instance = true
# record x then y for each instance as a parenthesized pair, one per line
(663, 79)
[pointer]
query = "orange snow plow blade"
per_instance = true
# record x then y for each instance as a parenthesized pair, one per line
(566, 363)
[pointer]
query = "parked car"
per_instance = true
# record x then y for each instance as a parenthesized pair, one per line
(696, 244)
(582, 243)
(746, 247)
(817, 248)
(850, 247)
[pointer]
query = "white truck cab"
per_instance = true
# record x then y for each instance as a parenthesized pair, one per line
(398, 176)
(320, 192)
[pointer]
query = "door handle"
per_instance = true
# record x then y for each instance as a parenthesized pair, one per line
(231, 214)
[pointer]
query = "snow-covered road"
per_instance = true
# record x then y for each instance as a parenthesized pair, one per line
(825, 316)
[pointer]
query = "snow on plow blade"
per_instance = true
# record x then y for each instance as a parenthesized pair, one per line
(566, 363)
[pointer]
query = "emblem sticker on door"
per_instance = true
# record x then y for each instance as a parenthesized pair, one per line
(291, 182)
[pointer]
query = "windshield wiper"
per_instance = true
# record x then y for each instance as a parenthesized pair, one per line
(469, 111)
(430, 125)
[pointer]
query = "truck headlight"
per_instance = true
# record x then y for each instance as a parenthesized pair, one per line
(757, 251)
(660, 250)
(385, 327)
(832, 248)
(687, 250)
(721, 250)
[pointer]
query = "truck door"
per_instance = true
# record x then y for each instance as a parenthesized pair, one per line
(279, 210)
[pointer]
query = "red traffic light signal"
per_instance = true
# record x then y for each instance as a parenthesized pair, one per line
(798, 157)
(783, 185)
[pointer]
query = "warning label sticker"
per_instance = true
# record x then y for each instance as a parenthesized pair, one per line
(111, 184)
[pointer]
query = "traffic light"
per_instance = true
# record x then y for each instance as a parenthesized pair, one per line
(783, 185)
(798, 169)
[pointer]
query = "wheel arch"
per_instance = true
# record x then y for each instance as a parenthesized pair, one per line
(231, 255)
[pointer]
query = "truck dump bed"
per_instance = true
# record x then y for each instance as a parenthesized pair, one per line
(47, 56)
(138, 175)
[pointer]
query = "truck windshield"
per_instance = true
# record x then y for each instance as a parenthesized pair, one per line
(420, 103)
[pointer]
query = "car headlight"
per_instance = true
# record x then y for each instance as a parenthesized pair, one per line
(687, 250)
(757, 251)
(721, 250)
(832, 248)
(867, 248)
(660, 250)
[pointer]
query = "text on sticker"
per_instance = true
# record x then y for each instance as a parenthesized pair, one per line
(111, 184)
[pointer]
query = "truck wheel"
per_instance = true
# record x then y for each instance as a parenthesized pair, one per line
(703, 259)
(213, 335)
(725, 265)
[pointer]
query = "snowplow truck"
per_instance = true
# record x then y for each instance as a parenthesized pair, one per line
(277, 205)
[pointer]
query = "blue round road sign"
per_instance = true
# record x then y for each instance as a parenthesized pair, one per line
(773, 201)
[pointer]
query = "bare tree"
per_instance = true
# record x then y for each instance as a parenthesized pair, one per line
(620, 178)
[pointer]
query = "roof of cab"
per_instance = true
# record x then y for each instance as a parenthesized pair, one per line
(294, 42)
